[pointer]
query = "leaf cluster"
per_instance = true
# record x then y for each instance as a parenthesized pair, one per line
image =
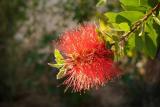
(134, 29)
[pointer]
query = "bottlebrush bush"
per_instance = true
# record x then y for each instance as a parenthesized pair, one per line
(86, 56)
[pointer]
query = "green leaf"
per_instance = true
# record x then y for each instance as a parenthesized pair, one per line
(134, 2)
(139, 44)
(130, 45)
(150, 48)
(61, 73)
(134, 8)
(131, 16)
(150, 39)
(120, 27)
(124, 26)
(111, 16)
(116, 28)
(152, 32)
(144, 2)
(55, 65)
(130, 2)
(59, 58)
(131, 41)
(124, 16)
(138, 5)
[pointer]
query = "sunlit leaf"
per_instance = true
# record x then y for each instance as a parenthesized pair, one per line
(61, 73)
(59, 58)
(55, 65)
(136, 5)
(131, 16)
(124, 16)
(104, 26)
(111, 16)
(124, 26)
(105, 31)
(130, 2)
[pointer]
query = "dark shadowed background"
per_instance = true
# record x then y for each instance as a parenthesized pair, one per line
(27, 28)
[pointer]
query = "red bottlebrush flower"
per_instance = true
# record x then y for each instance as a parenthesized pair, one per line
(87, 60)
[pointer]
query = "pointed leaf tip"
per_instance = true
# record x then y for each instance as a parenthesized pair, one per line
(55, 65)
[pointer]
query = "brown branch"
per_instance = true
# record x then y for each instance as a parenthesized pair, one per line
(139, 22)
